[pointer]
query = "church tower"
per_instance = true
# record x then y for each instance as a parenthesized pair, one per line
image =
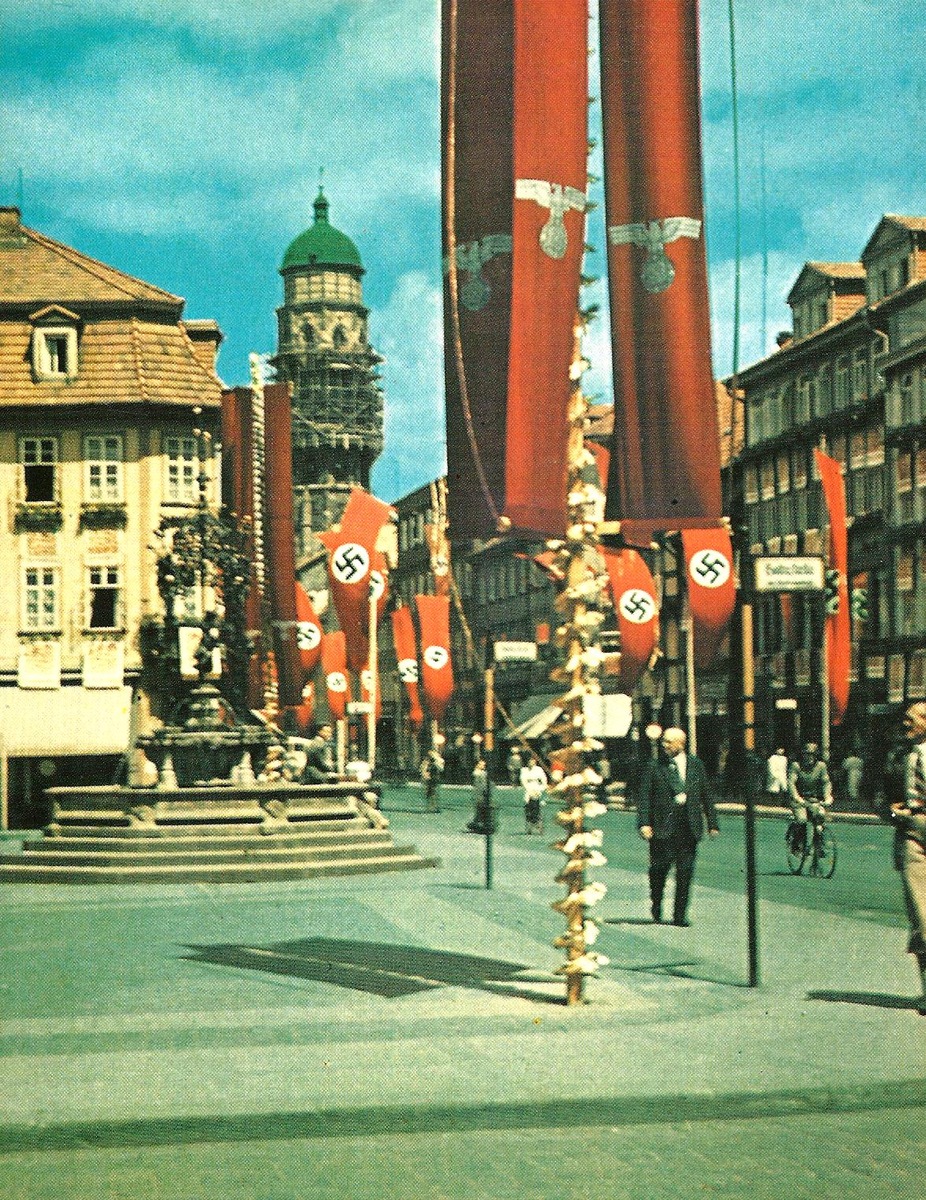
(324, 352)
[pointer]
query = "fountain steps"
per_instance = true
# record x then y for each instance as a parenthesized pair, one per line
(209, 834)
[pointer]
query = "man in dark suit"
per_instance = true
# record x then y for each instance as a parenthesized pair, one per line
(673, 802)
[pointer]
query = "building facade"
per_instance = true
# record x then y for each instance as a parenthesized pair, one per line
(849, 379)
(106, 395)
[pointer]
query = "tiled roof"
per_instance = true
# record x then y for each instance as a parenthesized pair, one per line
(35, 269)
(839, 270)
(132, 360)
(918, 224)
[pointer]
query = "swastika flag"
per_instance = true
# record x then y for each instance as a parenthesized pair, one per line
(711, 588)
(634, 593)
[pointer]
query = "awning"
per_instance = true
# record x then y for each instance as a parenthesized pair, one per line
(64, 721)
(534, 718)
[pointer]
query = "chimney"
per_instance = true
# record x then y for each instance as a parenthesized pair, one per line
(205, 337)
(785, 338)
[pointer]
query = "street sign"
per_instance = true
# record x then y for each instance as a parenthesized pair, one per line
(515, 652)
(789, 573)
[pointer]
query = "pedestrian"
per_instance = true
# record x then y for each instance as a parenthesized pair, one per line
(776, 776)
(853, 768)
(514, 763)
(809, 790)
(483, 818)
(673, 802)
(534, 782)
(432, 768)
(319, 760)
(904, 807)
(604, 778)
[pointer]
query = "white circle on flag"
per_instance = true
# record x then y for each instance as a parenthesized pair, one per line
(408, 670)
(337, 682)
(366, 679)
(436, 657)
(350, 563)
(308, 635)
(709, 568)
(637, 606)
(377, 584)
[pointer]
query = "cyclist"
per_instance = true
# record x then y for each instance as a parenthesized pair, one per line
(809, 790)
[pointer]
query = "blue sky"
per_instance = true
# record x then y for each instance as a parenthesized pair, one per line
(181, 141)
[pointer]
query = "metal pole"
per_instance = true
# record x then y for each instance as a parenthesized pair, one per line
(749, 747)
(373, 667)
(489, 746)
(691, 699)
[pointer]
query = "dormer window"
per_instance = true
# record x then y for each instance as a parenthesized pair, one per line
(54, 344)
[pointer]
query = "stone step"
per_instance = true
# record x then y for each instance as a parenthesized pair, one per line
(156, 856)
(219, 812)
(22, 870)
(321, 829)
(168, 841)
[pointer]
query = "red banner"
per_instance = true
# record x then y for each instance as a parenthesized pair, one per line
(352, 562)
(838, 628)
(279, 540)
(403, 632)
(634, 593)
(436, 667)
(711, 588)
(238, 495)
(665, 463)
(550, 181)
(334, 667)
(476, 107)
(308, 630)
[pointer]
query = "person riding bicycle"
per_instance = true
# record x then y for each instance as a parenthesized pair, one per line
(809, 789)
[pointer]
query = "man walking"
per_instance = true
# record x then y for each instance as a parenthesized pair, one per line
(673, 802)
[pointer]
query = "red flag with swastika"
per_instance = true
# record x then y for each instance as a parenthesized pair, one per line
(354, 564)
(634, 593)
(403, 632)
(334, 667)
(838, 627)
(711, 588)
(434, 639)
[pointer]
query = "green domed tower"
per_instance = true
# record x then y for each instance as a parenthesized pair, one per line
(324, 352)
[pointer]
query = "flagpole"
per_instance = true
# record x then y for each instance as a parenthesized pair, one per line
(691, 704)
(373, 668)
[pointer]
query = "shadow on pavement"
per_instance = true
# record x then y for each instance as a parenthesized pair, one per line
(380, 969)
(871, 999)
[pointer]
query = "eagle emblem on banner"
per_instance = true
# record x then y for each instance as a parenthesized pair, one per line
(471, 258)
(657, 271)
(559, 199)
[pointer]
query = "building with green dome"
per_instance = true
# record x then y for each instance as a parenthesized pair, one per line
(323, 350)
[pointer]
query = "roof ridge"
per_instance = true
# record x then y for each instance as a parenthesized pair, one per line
(139, 359)
(99, 270)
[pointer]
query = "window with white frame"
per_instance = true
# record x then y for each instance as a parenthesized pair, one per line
(182, 469)
(40, 598)
(54, 352)
(103, 468)
(39, 459)
(102, 597)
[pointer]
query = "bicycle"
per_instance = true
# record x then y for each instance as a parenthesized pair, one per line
(817, 852)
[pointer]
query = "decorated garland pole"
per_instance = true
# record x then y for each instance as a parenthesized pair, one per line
(580, 605)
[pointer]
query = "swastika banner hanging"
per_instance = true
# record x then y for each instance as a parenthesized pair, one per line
(550, 181)
(434, 639)
(353, 562)
(665, 463)
(308, 630)
(838, 627)
(280, 541)
(334, 668)
(711, 588)
(476, 106)
(634, 593)
(403, 632)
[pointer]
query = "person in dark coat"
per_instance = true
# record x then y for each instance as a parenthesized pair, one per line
(673, 803)
(319, 764)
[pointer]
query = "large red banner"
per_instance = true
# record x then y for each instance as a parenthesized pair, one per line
(711, 588)
(436, 667)
(476, 104)
(280, 540)
(665, 465)
(403, 632)
(550, 182)
(634, 593)
(308, 631)
(838, 627)
(353, 564)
